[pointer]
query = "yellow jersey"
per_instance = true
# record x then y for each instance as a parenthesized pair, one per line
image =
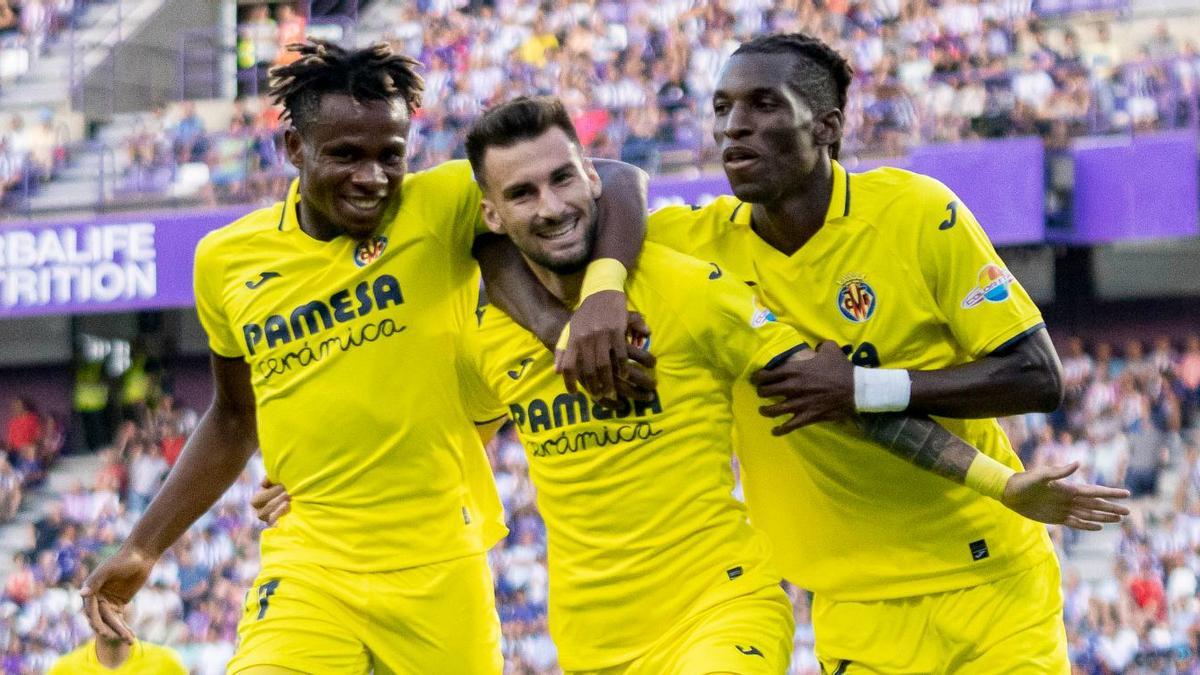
(642, 528)
(901, 276)
(351, 352)
(144, 659)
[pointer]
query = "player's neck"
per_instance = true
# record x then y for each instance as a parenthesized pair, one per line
(112, 653)
(314, 225)
(787, 223)
(565, 287)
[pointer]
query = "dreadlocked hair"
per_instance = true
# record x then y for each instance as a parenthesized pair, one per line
(373, 73)
(820, 74)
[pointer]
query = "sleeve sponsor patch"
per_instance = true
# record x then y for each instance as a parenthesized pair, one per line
(993, 284)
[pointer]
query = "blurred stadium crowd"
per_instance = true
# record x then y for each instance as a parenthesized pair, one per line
(1130, 419)
(637, 77)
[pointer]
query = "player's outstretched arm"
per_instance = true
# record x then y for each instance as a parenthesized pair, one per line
(212, 459)
(1020, 378)
(807, 381)
(595, 351)
(1023, 377)
(1039, 494)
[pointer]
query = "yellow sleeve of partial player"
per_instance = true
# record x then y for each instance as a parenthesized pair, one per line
(479, 400)
(208, 283)
(160, 660)
(982, 302)
(728, 322)
(450, 190)
(685, 228)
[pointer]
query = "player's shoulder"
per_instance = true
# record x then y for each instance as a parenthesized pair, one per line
(694, 225)
(718, 210)
(667, 274)
(492, 330)
(240, 233)
(897, 200)
(165, 659)
(73, 661)
(890, 187)
(449, 175)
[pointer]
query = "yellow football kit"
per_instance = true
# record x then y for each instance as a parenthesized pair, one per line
(901, 276)
(645, 540)
(351, 352)
(144, 658)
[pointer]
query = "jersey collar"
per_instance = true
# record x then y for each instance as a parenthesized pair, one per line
(288, 220)
(839, 199)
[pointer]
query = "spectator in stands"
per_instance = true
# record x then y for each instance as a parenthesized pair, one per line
(44, 149)
(10, 491)
(24, 428)
(292, 25)
(190, 142)
(18, 587)
(9, 21)
(147, 468)
(47, 530)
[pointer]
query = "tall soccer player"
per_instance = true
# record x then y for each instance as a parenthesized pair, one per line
(332, 318)
(910, 574)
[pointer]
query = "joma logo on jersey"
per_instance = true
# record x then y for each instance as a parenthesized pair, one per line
(566, 409)
(369, 251)
(856, 299)
(316, 316)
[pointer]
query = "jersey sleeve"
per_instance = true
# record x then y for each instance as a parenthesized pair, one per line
(670, 226)
(735, 332)
(208, 281)
(982, 302)
(453, 194)
(479, 400)
(685, 228)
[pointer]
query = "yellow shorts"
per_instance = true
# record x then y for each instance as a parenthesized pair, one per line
(748, 635)
(1011, 626)
(438, 618)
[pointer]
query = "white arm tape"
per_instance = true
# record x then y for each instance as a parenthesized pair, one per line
(881, 389)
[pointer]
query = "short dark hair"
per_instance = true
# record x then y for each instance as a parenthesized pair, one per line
(520, 119)
(373, 73)
(821, 75)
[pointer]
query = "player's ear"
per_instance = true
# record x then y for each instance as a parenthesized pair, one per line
(827, 128)
(595, 185)
(294, 146)
(490, 217)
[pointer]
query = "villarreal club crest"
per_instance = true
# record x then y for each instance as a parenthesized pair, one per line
(856, 299)
(368, 251)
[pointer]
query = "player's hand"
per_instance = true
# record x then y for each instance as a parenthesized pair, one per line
(1041, 494)
(110, 587)
(815, 386)
(636, 381)
(597, 349)
(271, 502)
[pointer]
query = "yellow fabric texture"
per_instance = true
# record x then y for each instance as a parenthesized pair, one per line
(438, 618)
(1010, 626)
(144, 658)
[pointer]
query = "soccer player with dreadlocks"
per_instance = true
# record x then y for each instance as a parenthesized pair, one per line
(332, 318)
(910, 573)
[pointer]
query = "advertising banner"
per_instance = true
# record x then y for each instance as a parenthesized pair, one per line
(105, 264)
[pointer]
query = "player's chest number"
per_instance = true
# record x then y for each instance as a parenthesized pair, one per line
(864, 355)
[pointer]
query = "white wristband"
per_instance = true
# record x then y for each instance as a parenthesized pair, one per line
(881, 389)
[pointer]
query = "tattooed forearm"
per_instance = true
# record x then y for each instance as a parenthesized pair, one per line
(922, 442)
